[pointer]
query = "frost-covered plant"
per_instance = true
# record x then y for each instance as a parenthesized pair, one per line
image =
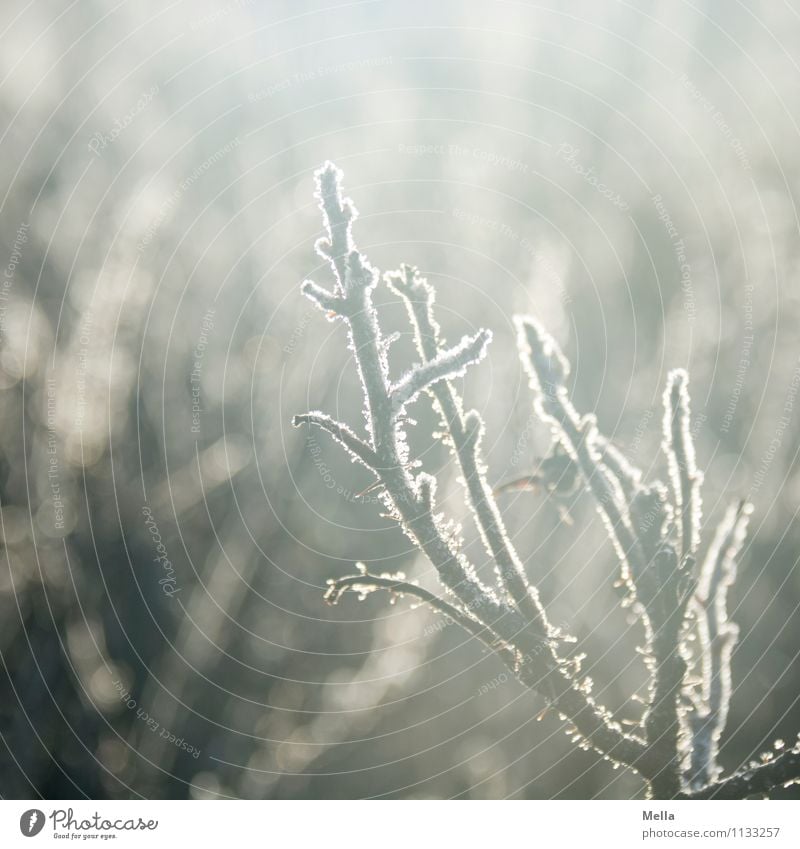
(654, 528)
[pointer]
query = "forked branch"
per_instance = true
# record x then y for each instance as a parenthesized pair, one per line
(654, 529)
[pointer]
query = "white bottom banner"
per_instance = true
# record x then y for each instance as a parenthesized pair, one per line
(396, 824)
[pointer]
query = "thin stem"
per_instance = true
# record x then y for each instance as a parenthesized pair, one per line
(548, 370)
(465, 433)
(754, 781)
(655, 532)
(355, 280)
(679, 450)
(342, 434)
(717, 637)
(412, 499)
(365, 582)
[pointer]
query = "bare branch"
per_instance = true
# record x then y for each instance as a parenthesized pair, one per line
(403, 494)
(638, 519)
(591, 721)
(516, 624)
(679, 450)
(664, 593)
(446, 365)
(365, 582)
(357, 449)
(332, 305)
(755, 780)
(717, 637)
(465, 431)
(548, 370)
(338, 216)
(627, 475)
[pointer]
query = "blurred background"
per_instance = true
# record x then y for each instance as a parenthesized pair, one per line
(628, 173)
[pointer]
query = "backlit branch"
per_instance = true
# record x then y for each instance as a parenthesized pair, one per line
(754, 780)
(515, 618)
(364, 583)
(654, 529)
(445, 365)
(679, 449)
(356, 447)
(716, 638)
(548, 370)
(465, 432)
